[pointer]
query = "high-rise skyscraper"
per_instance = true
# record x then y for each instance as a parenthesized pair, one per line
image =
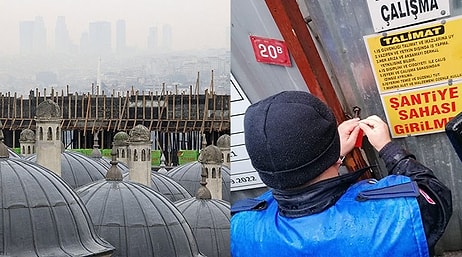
(153, 39)
(120, 36)
(99, 38)
(32, 36)
(26, 37)
(62, 39)
(40, 35)
(167, 37)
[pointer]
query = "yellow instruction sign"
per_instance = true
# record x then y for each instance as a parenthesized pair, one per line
(424, 111)
(416, 56)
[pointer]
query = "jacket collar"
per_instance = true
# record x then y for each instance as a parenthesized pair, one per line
(314, 198)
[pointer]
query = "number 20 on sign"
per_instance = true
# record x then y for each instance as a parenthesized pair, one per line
(270, 51)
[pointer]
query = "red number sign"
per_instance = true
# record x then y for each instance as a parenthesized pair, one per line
(270, 51)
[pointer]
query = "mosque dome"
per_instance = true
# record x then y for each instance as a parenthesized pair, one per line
(164, 185)
(137, 220)
(48, 110)
(224, 141)
(209, 220)
(27, 135)
(210, 154)
(160, 183)
(139, 133)
(189, 175)
(121, 138)
(78, 169)
(106, 162)
(42, 215)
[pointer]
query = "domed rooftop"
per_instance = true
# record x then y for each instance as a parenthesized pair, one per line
(27, 135)
(106, 162)
(42, 215)
(209, 220)
(78, 169)
(137, 220)
(48, 110)
(160, 183)
(224, 141)
(164, 185)
(189, 176)
(121, 138)
(210, 154)
(139, 134)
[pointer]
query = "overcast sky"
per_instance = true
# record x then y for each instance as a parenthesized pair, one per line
(195, 23)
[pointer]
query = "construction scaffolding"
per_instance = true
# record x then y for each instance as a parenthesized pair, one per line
(89, 113)
(164, 111)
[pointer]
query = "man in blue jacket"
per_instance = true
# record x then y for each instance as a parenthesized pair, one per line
(295, 145)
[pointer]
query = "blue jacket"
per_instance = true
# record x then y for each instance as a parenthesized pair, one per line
(391, 226)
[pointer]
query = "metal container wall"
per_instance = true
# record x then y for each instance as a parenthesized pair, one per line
(258, 80)
(340, 27)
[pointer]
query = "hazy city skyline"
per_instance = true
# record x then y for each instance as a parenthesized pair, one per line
(195, 24)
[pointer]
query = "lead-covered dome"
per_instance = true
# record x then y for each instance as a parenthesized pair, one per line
(42, 215)
(139, 133)
(27, 135)
(48, 110)
(224, 141)
(209, 220)
(189, 176)
(211, 154)
(165, 185)
(121, 138)
(137, 220)
(78, 169)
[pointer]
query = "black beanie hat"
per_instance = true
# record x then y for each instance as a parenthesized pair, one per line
(291, 138)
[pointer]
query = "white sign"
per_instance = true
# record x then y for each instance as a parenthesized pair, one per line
(243, 174)
(391, 14)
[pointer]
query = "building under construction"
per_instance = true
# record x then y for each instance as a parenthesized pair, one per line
(177, 120)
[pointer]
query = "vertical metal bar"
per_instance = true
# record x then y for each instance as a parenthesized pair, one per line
(288, 18)
(290, 22)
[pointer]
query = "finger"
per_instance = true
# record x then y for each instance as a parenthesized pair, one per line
(355, 132)
(347, 126)
(366, 127)
(369, 122)
(375, 118)
(351, 121)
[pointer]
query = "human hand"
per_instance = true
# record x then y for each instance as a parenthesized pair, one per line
(348, 132)
(376, 131)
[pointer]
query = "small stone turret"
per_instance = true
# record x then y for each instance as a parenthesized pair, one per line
(224, 143)
(139, 155)
(27, 142)
(121, 145)
(48, 136)
(211, 160)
